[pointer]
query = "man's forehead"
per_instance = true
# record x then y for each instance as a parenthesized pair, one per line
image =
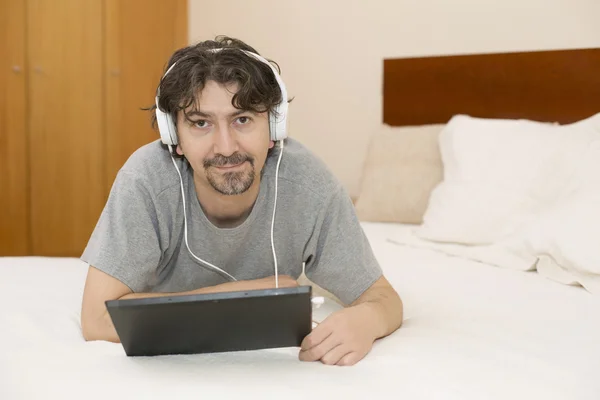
(196, 111)
(212, 86)
(212, 96)
(216, 100)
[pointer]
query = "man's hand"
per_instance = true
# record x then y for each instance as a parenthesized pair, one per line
(346, 336)
(343, 338)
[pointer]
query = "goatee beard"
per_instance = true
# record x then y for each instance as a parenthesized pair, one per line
(230, 183)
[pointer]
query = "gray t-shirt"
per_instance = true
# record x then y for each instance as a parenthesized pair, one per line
(139, 238)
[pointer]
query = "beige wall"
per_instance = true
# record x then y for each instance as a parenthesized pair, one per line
(331, 51)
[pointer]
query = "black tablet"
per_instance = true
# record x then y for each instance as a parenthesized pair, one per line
(218, 322)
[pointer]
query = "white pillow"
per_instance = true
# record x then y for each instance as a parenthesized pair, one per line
(499, 175)
(567, 237)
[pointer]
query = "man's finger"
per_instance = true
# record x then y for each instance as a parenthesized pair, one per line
(349, 359)
(318, 335)
(315, 353)
(336, 354)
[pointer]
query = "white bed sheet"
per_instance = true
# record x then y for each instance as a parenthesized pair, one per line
(471, 331)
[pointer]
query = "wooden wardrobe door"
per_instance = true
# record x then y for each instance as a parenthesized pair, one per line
(14, 200)
(141, 35)
(66, 123)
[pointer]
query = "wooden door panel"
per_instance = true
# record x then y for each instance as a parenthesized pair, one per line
(66, 123)
(14, 184)
(136, 54)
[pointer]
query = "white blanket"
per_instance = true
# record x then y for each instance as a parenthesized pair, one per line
(471, 331)
(519, 194)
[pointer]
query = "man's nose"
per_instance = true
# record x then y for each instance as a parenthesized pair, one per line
(225, 140)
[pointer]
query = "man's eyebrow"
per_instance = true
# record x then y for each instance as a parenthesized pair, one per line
(202, 114)
(198, 113)
(239, 112)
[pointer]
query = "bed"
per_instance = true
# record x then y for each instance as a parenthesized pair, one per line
(471, 331)
(473, 327)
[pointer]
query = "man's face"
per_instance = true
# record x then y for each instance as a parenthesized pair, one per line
(226, 147)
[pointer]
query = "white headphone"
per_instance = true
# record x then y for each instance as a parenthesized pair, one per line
(278, 132)
(277, 118)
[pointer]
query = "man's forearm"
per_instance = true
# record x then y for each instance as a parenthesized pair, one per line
(385, 307)
(224, 287)
(104, 329)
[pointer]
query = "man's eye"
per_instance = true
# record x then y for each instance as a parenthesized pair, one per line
(243, 120)
(201, 124)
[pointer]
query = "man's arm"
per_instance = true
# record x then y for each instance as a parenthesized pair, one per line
(385, 304)
(96, 323)
(347, 336)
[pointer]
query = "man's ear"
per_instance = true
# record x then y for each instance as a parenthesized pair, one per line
(178, 150)
(271, 144)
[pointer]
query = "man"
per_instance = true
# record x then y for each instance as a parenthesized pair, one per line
(199, 216)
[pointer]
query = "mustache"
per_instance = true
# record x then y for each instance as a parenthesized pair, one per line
(220, 160)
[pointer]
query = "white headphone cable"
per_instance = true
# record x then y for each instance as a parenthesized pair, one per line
(185, 235)
(273, 219)
(185, 229)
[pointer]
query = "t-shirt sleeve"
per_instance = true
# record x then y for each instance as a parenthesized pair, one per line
(339, 256)
(125, 242)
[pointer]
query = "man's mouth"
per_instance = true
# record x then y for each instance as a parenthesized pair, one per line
(228, 167)
(227, 164)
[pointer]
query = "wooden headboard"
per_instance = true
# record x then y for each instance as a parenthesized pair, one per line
(561, 86)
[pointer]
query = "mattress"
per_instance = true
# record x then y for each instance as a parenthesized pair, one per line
(471, 331)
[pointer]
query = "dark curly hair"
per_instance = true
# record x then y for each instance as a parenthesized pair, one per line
(196, 64)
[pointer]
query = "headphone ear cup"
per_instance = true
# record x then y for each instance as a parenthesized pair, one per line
(273, 126)
(278, 122)
(166, 128)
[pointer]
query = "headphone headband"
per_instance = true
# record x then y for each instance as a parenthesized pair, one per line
(277, 117)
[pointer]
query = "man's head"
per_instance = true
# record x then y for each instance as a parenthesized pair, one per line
(220, 102)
